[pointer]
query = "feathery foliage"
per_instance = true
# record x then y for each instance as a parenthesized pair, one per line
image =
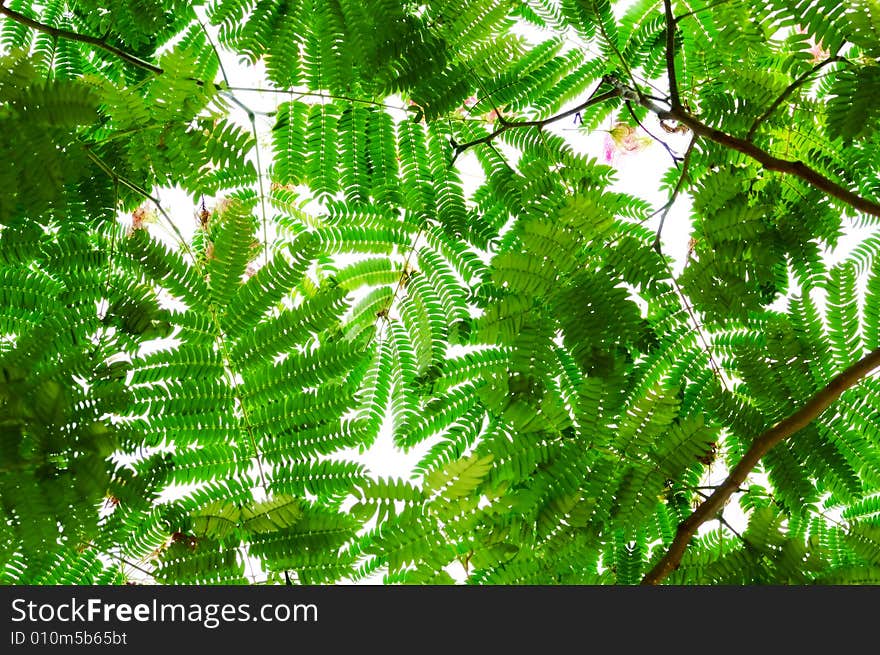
(405, 251)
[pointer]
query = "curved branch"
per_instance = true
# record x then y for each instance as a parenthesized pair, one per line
(675, 158)
(312, 94)
(791, 88)
(709, 508)
(509, 125)
(59, 33)
(768, 161)
(712, 5)
(664, 211)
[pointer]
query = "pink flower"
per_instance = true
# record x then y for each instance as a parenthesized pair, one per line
(819, 53)
(608, 149)
(623, 139)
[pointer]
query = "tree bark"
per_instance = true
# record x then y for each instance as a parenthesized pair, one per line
(786, 428)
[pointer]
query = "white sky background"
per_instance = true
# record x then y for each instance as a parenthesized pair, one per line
(638, 173)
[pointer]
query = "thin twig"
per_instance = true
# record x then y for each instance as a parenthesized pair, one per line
(213, 310)
(384, 314)
(678, 187)
(791, 88)
(723, 521)
(689, 14)
(720, 517)
(123, 560)
(59, 33)
(314, 94)
(253, 121)
(487, 96)
(697, 326)
(611, 44)
(216, 52)
(136, 188)
(676, 159)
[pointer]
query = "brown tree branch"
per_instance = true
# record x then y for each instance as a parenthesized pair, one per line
(768, 161)
(786, 428)
(791, 88)
(674, 98)
(59, 33)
